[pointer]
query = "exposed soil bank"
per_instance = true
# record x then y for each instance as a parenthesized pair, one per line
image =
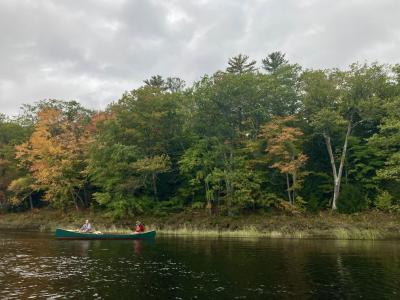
(367, 226)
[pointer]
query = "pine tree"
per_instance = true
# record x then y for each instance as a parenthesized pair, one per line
(273, 61)
(156, 81)
(240, 64)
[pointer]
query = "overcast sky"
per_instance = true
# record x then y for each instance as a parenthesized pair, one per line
(94, 50)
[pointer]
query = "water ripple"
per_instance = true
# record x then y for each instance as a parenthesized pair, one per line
(39, 267)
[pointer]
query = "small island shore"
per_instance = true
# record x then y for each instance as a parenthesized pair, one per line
(325, 225)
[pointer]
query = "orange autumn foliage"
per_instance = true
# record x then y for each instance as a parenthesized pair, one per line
(55, 154)
(284, 150)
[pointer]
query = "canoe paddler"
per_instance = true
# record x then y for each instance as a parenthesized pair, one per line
(87, 227)
(139, 227)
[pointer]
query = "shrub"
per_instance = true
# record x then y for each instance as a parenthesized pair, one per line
(384, 201)
(268, 200)
(313, 203)
(198, 205)
(352, 199)
(120, 206)
(163, 208)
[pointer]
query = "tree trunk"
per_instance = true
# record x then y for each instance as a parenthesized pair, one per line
(333, 165)
(85, 195)
(75, 200)
(81, 200)
(228, 192)
(78, 197)
(154, 180)
(343, 158)
(30, 201)
(228, 183)
(232, 190)
(288, 188)
(218, 202)
(337, 175)
(76, 205)
(208, 198)
(294, 187)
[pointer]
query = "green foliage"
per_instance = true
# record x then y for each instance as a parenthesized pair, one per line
(240, 64)
(337, 103)
(281, 90)
(220, 175)
(384, 201)
(197, 205)
(301, 204)
(12, 133)
(317, 190)
(274, 61)
(353, 199)
(152, 165)
(164, 147)
(21, 189)
(387, 142)
(164, 208)
(155, 81)
(172, 84)
(313, 204)
(328, 121)
(122, 206)
(269, 200)
(364, 160)
(102, 198)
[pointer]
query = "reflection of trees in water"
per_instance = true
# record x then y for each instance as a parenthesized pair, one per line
(246, 266)
(349, 268)
(306, 268)
(169, 267)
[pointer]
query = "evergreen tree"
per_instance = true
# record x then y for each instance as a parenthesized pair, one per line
(155, 81)
(273, 61)
(175, 84)
(240, 64)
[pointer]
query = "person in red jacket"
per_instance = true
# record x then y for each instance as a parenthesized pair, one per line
(139, 227)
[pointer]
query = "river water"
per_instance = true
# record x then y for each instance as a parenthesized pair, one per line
(36, 266)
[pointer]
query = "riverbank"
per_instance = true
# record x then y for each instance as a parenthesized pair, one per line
(365, 226)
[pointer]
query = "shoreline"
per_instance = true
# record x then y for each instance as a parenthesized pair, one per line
(370, 225)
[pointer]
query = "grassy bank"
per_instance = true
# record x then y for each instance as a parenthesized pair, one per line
(365, 226)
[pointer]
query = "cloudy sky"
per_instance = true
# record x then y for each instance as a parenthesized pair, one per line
(94, 50)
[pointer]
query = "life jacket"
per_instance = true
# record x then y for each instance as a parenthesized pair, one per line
(139, 228)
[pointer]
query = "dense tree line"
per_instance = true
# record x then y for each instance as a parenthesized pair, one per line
(241, 140)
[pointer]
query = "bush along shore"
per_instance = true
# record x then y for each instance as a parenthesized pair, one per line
(371, 225)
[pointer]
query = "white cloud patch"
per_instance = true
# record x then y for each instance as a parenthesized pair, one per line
(94, 50)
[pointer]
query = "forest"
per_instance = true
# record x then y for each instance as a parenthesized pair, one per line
(255, 137)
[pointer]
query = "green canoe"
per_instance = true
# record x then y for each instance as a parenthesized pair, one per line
(75, 235)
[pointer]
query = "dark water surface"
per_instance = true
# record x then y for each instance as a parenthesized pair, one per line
(36, 266)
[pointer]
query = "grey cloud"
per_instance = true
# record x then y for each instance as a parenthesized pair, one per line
(94, 50)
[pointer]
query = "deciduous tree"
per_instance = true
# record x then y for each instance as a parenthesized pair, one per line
(284, 150)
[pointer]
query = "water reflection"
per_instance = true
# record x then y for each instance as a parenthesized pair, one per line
(84, 247)
(36, 265)
(137, 246)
